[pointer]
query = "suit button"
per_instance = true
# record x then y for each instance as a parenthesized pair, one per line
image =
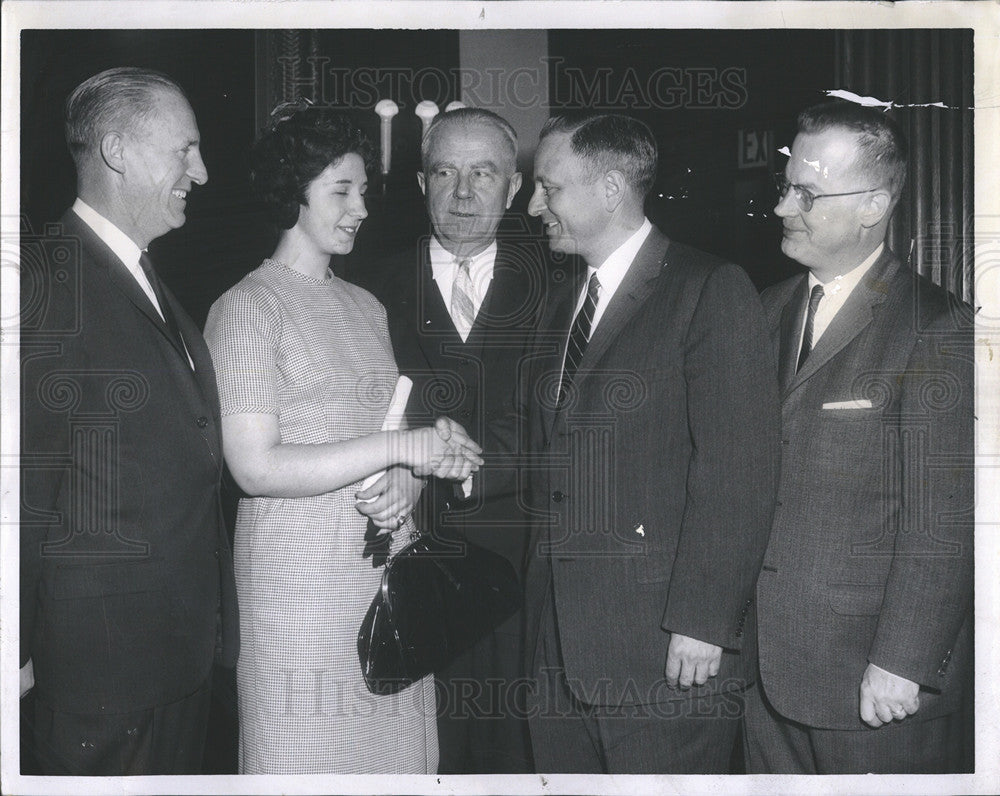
(557, 496)
(739, 632)
(202, 421)
(784, 442)
(216, 552)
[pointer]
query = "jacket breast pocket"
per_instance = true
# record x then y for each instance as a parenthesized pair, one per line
(79, 581)
(854, 415)
(856, 600)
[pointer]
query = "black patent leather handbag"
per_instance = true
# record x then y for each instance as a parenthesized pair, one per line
(436, 599)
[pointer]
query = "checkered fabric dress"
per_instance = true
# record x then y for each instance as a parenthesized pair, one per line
(316, 353)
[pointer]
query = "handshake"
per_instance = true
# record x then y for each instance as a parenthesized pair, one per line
(443, 450)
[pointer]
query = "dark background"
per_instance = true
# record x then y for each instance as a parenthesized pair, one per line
(701, 196)
(226, 234)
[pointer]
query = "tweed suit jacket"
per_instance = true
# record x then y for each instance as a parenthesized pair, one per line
(471, 381)
(870, 556)
(125, 562)
(653, 490)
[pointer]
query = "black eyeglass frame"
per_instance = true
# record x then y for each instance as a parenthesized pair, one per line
(803, 196)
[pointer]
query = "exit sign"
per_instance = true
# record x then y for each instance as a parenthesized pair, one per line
(755, 148)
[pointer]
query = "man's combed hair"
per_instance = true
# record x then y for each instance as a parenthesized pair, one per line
(116, 99)
(469, 116)
(296, 151)
(611, 142)
(882, 148)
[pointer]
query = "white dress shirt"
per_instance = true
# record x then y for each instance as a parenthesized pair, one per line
(836, 293)
(444, 268)
(611, 272)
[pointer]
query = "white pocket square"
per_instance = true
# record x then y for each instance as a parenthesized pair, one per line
(861, 403)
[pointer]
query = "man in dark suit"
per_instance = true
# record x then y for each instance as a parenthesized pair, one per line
(127, 589)
(864, 598)
(461, 309)
(654, 413)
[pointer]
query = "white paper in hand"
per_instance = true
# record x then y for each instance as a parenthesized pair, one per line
(393, 421)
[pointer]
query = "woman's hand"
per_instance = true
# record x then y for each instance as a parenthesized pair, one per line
(443, 450)
(391, 497)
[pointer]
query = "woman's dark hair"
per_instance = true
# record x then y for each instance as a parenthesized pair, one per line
(296, 150)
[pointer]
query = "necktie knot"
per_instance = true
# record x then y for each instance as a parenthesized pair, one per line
(146, 264)
(815, 297)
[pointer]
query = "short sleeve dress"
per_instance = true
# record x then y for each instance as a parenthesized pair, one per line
(316, 354)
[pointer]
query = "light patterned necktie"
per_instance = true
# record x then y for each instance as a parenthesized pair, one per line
(463, 311)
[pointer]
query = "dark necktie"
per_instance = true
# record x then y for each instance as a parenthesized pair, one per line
(807, 334)
(173, 330)
(579, 336)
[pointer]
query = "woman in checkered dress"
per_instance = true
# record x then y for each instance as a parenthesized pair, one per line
(305, 372)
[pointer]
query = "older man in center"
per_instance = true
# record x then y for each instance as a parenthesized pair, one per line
(654, 410)
(461, 309)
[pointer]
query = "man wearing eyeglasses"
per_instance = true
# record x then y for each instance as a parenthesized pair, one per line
(864, 598)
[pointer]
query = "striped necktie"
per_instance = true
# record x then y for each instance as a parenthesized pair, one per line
(463, 311)
(579, 336)
(807, 333)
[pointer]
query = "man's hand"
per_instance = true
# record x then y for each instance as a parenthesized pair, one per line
(395, 494)
(27, 677)
(885, 696)
(444, 450)
(691, 661)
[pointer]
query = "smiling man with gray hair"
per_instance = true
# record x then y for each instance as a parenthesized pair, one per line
(127, 592)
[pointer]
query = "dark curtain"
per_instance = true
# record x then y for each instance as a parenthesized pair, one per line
(933, 226)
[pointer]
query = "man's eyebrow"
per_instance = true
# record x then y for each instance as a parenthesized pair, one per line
(447, 164)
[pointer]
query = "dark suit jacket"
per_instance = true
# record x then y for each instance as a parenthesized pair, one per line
(870, 558)
(655, 489)
(473, 382)
(124, 556)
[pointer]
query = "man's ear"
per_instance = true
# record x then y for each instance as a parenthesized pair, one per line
(513, 187)
(875, 208)
(615, 189)
(113, 151)
(420, 182)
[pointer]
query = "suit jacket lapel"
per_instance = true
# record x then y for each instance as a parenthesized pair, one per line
(790, 330)
(632, 292)
(200, 385)
(852, 318)
(437, 328)
(117, 272)
(556, 323)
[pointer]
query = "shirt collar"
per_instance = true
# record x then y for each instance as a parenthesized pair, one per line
(612, 271)
(121, 244)
(444, 264)
(845, 283)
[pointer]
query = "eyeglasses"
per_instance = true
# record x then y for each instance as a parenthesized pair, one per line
(804, 196)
